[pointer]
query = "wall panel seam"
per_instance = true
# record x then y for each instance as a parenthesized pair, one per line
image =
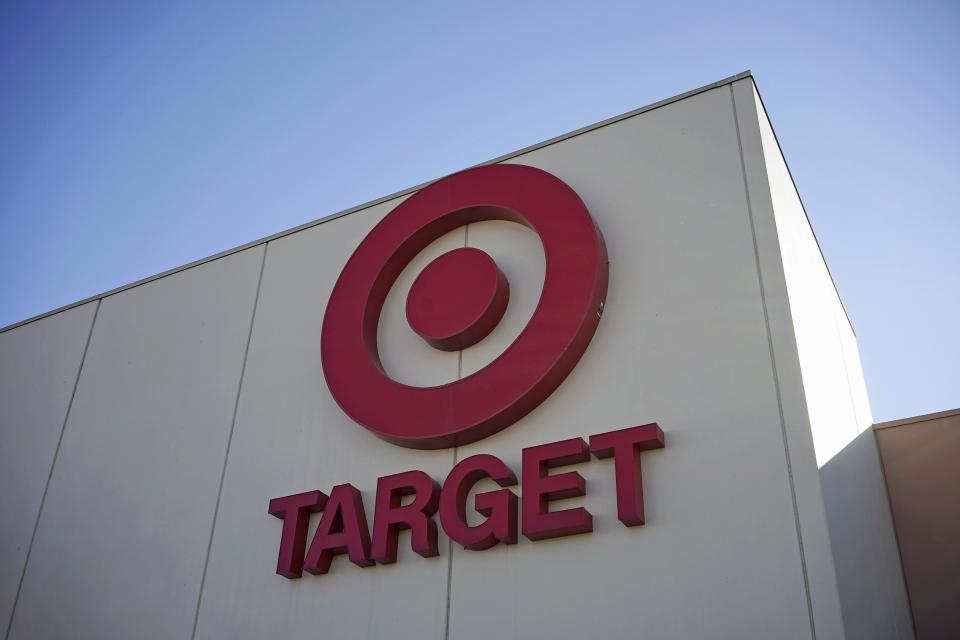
(53, 462)
(446, 620)
(446, 623)
(773, 364)
(846, 377)
(226, 455)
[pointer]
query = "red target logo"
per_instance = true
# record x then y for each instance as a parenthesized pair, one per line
(457, 300)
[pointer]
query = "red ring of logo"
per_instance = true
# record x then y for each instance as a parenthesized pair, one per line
(479, 405)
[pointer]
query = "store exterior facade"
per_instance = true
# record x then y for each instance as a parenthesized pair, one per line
(647, 385)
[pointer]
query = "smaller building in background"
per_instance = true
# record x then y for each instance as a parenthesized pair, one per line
(921, 463)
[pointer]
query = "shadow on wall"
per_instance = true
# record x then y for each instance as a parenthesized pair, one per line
(864, 545)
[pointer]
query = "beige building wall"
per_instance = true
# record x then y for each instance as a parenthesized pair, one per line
(921, 460)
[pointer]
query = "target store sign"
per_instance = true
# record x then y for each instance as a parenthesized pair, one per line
(457, 300)
(454, 303)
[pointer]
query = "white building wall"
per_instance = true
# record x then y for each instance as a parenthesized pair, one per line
(682, 342)
(291, 436)
(39, 365)
(216, 370)
(834, 397)
(793, 420)
(121, 543)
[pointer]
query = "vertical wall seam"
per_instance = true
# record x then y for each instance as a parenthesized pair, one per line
(446, 619)
(446, 624)
(846, 377)
(776, 377)
(226, 455)
(56, 454)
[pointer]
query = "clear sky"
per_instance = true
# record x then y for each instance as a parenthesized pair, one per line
(138, 136)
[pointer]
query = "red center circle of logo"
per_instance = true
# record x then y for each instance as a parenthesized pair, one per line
(458, 299)
(519, 379)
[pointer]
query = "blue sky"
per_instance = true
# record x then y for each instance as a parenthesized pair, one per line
(138, 136)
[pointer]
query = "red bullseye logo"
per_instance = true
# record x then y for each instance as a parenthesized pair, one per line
(457, 300)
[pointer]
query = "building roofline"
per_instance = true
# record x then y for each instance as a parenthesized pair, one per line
(334, 216)
(924, 418)
(803, 207)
